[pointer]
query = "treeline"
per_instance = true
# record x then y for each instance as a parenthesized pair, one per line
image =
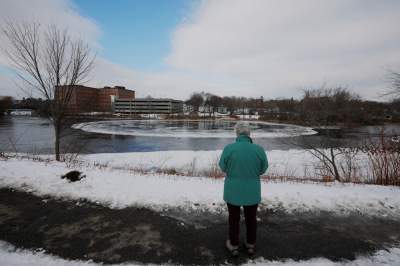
(40, 106)
(232, 103)
(329, 106)
(324, 106)
(5, 104)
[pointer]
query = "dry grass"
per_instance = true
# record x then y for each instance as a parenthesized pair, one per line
(384, 161)
(298, 179)
(379, 164)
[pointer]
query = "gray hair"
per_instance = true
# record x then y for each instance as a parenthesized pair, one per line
(242, 128)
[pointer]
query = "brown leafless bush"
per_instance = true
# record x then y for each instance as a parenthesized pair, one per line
(349, 168)
(213, 171)
(192, 167)
(72, 152)
(384, 160)
(169, 171)
(99, 165)
(11, 149)
(334, 163)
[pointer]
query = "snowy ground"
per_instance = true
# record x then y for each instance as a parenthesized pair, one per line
(11, 256)
(118, 181)
(121, 188)
(284, 163)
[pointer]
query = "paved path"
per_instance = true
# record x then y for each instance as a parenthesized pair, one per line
(83, 230)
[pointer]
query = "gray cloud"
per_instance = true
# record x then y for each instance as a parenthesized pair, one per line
(278, 46)
(249, 48)
(57, 12)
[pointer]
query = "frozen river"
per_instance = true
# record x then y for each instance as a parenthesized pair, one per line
(33, 134)
(190, 128)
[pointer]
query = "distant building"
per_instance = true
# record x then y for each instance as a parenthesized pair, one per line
(146, 106)
(187, 108)
(20, 112)
(206, 109)
(242, 111)
(222, 110)
(87, 99)
(272, 109)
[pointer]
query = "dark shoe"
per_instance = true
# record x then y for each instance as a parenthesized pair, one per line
(251, 248)
(234, 250)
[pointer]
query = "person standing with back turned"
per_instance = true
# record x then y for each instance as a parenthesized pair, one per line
(243, 162)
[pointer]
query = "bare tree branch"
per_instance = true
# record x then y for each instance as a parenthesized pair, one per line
(49, 62)
(394, 80)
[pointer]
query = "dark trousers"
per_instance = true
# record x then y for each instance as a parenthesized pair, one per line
(250, 213)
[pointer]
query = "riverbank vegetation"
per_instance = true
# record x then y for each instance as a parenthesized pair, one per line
(5, 104)
(376, 162)
(323, 106)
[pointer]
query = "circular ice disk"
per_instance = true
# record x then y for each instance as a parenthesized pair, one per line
(191, 128)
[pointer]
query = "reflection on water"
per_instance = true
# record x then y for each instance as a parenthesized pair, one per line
(32, 134)
(26, 134)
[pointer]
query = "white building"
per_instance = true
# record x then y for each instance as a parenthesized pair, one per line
(187, 108)
(146, 106)
(20, 112)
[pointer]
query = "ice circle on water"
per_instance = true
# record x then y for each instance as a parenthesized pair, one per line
(191, 128)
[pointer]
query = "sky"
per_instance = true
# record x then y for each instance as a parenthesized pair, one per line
(269, 48)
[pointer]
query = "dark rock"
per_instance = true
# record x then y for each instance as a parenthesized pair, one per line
(73, 176)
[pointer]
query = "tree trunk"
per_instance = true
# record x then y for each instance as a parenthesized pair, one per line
(334, 166)
(57, 131)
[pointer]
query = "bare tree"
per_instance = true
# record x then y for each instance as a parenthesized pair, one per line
(326, 156)
(230, 103)
(5, 103)
(52, 63)
(196, 100)
(215, 102)
(323, 108)
(207, 103)
(394, 79)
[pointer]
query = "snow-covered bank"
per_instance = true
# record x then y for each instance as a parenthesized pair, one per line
(284, 163)
(11, 256)
(119, 189)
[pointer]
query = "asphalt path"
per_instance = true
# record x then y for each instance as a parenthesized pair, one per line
(84, 230)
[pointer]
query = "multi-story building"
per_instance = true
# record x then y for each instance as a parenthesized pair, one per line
(147, 106)
(87, 99)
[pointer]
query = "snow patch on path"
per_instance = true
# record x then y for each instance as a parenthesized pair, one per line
(11, 256)
(119, 189)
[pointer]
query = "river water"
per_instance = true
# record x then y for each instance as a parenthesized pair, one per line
(35, 135)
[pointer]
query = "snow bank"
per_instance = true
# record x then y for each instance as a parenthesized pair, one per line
(11, 256)
(286, 163)
(182, 161)
(118, 189)
(381, 257)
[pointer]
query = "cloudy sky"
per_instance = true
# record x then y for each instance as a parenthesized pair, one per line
(269, 48)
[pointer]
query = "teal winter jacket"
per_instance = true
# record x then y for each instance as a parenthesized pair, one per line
(243, 162)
